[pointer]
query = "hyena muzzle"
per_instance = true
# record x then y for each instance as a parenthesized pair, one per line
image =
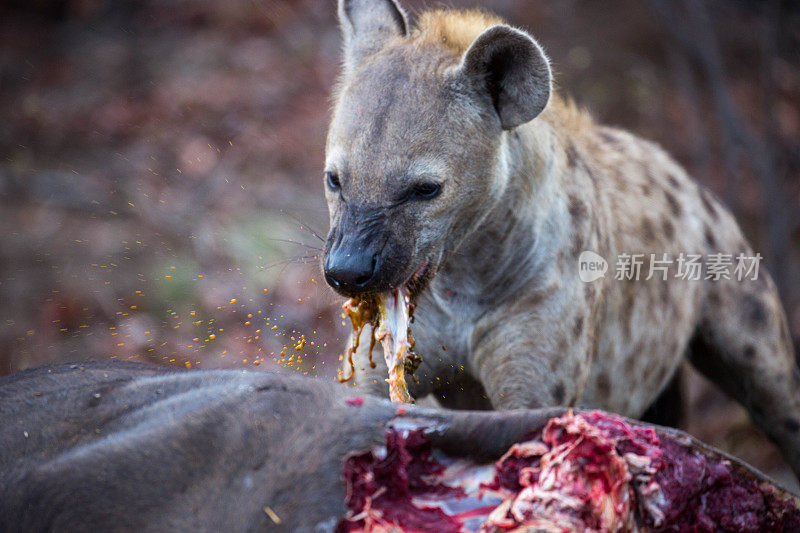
(450, 164)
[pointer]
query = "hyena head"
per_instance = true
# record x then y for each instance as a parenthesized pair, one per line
(415, 146)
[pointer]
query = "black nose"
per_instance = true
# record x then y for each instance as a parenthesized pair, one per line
(350, 271)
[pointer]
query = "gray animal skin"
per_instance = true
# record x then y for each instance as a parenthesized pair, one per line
(114, 446)
(450, 158)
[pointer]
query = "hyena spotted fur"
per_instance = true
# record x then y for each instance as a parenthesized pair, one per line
(448, 151)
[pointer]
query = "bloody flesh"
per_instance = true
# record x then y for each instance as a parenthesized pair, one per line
(361, 312)
(393, 332)
(389, 316)
(381, 487)
(585, 472)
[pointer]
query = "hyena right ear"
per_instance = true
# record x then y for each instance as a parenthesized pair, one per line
(509, 69)
(367, 25)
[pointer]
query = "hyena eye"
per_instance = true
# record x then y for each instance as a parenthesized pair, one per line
(424, 191)
(332, 179)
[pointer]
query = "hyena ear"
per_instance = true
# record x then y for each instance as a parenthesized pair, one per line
(508, 67)
(368, 24)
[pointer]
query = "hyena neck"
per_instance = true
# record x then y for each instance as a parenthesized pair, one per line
(512, 242)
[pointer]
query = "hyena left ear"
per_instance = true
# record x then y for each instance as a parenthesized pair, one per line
(507, 67)
(367, 25)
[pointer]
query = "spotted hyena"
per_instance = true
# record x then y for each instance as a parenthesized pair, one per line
(450, 156)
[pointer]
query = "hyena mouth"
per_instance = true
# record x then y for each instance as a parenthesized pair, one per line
(390, 315)
(420, 279)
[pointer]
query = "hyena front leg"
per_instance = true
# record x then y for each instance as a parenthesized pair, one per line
(743, 345)
(529, 361)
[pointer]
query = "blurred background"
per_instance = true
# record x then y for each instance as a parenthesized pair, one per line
(161, 166)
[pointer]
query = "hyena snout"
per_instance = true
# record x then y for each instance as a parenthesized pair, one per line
(351, 270)
(362, 256)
